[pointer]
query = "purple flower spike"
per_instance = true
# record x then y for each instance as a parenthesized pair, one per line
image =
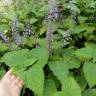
(15, 33)
(49, 38)
(66, 37)
(53, 9)
(27, 32)
(15, 25)
(53, 15)
(4, 37)
(73, 10)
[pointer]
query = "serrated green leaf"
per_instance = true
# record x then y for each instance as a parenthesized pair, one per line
(71, 88)
(59, 69)
(89, 69)
(86, 53)
(71, 60)
(41, 54)
(18, 58)
(33, 79)
(49, 88)
(81, 81)
(90, 29)
(24, 57)
(79, 29)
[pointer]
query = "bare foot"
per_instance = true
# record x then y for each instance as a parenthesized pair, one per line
(10, 85)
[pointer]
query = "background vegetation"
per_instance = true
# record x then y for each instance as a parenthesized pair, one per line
(51, 45)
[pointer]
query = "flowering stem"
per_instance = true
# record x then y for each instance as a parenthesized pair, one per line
(4, 37)
(15, 33)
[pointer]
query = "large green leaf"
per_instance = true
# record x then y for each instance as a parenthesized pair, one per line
(73, 63)
(41, 54)
(59, 69)
(49, 88)
(71, 88)
(71, 60)
(18, 58)
(79, 29)
(33, 79)
(89, 69)
(55, 79)
(81, 80)
(86, 53)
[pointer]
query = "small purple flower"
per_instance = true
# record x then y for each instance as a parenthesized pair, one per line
(4, 37)
(17, 39)
(53, 9)
(27, 32)
(66, 37)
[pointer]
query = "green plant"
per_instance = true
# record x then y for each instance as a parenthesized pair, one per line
(62, 65)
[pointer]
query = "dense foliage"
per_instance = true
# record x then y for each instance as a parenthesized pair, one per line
(51, 45)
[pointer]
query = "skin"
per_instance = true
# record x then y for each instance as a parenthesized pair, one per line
(10, 85)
